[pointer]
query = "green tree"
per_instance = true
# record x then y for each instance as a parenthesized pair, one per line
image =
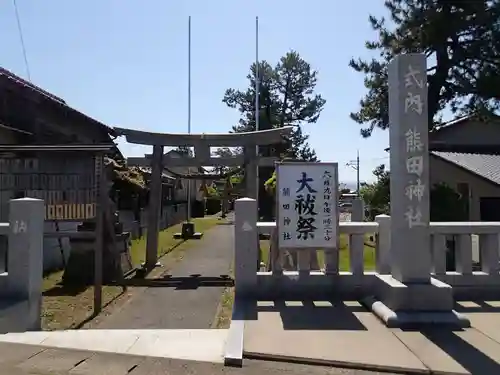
(447, 204)
(377, 194)
(286, 97)
(461, 38)
(223, 152)
(185, 151)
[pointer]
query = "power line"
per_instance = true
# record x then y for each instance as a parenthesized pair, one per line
(20, 30)
(366, 160)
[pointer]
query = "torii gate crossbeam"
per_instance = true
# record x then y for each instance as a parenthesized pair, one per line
(202, 157)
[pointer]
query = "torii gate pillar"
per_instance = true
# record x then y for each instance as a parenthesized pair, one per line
(251, 173)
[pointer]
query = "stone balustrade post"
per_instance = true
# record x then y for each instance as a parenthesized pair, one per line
(489, 247)
(246, 247)
(357, 241)
(25, 258)
(383, 249)
(358, 210)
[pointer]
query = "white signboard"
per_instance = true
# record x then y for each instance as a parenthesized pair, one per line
(307, 200)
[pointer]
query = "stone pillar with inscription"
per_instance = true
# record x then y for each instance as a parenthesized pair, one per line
(409, 294)
(409, 169)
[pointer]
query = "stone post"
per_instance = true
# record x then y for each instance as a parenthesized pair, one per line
(357, 241)
(358, 210)
(154, 208)
(245, 246)
(408, 119)
(25, 259)
(383, 249)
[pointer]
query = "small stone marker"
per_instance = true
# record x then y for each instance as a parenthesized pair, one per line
(408, 121)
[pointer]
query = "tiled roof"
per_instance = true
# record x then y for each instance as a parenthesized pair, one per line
(4, 73)
(487, 166)
(18, 80)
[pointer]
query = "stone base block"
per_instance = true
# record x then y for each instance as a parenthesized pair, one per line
(409, 319)
(194, 236)
(432, 296)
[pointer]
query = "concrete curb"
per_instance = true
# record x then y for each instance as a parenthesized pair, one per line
(332, 363)
(233, 355)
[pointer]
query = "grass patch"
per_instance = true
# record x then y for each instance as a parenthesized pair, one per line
(223, 318)
(70, 307)
(166, 241)
(344, 258)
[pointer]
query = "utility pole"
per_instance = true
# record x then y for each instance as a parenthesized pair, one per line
(354, 164)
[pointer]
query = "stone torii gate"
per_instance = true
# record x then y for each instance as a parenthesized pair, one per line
(202, 143)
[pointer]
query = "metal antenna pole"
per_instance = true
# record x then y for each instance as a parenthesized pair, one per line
(257, 83)
(189, 116)
(257, 92)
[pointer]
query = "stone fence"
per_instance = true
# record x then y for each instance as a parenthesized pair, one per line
(357, 283)
(21, 284)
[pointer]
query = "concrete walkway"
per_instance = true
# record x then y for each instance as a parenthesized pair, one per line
(19, 359)
(182, 301)
(206, 345)
(344, 333)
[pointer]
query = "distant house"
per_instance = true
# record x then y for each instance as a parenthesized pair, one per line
(181, 192)
(465, 154)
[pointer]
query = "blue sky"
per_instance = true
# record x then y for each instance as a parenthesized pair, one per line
(124, 62)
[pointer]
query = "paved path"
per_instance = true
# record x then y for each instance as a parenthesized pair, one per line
(18, 359)
(185, 305)
(345, 333)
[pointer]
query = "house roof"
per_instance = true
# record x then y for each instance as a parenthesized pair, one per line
(464, 120)
(483, 165)
(23, 84)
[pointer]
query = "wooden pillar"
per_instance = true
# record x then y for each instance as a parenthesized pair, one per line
(154, 208)
(251, 183)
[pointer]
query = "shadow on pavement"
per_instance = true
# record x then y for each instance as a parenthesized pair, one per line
(308, 315)
(183, 282)
(466, 307)
(469, 357)
(449, 340)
